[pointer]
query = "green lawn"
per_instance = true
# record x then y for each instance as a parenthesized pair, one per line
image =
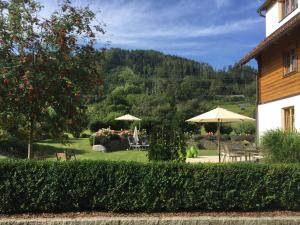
(234, 107)
(81, 147)
(3, 157)
(208, 153)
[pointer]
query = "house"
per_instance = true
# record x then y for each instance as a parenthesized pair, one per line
(277, 56)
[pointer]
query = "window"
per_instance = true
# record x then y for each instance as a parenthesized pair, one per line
(288, 6)
(289, 62)
(288, 116)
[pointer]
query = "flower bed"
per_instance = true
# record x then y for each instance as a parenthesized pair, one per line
(112, 140)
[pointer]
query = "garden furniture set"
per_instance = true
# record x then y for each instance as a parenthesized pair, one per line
(141, 145)
(238, 151)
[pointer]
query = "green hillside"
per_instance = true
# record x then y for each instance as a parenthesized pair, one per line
(152, 85)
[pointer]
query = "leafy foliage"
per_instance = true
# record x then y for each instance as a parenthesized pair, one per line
(167, 143)
(192, 152)
(46, 67)
(213, 127)
(32, 186)
(245, 128)
(150, 84)
(281, 147)
(13, 147)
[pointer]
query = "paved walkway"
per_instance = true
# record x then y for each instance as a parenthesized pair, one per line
(209, 159)
(203, 159)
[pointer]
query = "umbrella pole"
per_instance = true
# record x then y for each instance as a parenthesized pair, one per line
(219, 140)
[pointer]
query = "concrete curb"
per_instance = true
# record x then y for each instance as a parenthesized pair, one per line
(156, 221)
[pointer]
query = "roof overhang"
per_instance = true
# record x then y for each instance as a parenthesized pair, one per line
(280, 32)
(265, 6)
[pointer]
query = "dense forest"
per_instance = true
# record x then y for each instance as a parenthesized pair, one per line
(151, 85)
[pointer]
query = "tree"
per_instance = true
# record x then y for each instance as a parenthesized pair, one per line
(47, 66)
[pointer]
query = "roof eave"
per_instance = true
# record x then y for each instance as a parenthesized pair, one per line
(264, 6)
(255, 52)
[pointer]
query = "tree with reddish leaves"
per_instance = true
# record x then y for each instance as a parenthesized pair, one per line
(46, 65)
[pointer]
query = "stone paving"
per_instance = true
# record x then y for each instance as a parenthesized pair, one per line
(157, 221)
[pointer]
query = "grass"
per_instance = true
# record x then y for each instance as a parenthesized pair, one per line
(234, 107)
(3, 157)
(83, 151)
(208, 153)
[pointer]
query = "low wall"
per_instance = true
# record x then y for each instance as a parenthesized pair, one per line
(158, 221)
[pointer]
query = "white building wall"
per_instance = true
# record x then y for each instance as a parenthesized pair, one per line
(272, 18)
(270, 114)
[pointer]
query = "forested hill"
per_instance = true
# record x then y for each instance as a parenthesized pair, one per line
(152, 84)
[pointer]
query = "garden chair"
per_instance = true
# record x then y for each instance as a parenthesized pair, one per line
(231, 153)
(144, 143)
(256, 154)
(132, 144)
(65, 156)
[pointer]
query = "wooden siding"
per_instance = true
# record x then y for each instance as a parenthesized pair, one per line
(272, 83)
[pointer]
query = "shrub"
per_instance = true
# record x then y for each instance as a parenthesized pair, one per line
(281, 147)
(239, 138)
(213, 127)
(41, 186)
(97, 125)
(85, 135)
(167, 143)
(192, 152)
(245, 128)
(13, 147)
(146, 123)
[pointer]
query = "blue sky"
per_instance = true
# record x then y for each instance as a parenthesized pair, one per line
(219, 32)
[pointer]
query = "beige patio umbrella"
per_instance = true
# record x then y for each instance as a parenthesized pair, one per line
(219, 115)
(128, 117)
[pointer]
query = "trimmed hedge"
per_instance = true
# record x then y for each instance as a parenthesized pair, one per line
(32, 186)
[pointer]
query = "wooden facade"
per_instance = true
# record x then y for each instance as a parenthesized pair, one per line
(272, 83)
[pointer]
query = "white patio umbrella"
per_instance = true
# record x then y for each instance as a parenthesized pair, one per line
(135, 135)
(219, 115)
(129, 117)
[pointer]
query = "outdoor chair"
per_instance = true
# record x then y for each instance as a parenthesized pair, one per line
(254, 153)
(232, 153)
(133, 144)
(65, 156)
(144, 143)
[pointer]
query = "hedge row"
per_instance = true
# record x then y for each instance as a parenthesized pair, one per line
(31, 186)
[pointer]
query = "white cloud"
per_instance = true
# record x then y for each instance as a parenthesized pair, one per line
(222, 3)
(188, 27)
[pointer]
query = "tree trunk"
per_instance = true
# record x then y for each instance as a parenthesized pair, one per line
(30, 143)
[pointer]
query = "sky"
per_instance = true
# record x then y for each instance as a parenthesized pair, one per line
(218, 32)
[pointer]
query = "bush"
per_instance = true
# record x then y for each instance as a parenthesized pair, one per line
(281, 147)
(13, 147)
(213, 127)
(192, 152)
(239, 138)
(41, 186)
(167, 143)
(97, 125)
(85, 135)
(245, 128)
